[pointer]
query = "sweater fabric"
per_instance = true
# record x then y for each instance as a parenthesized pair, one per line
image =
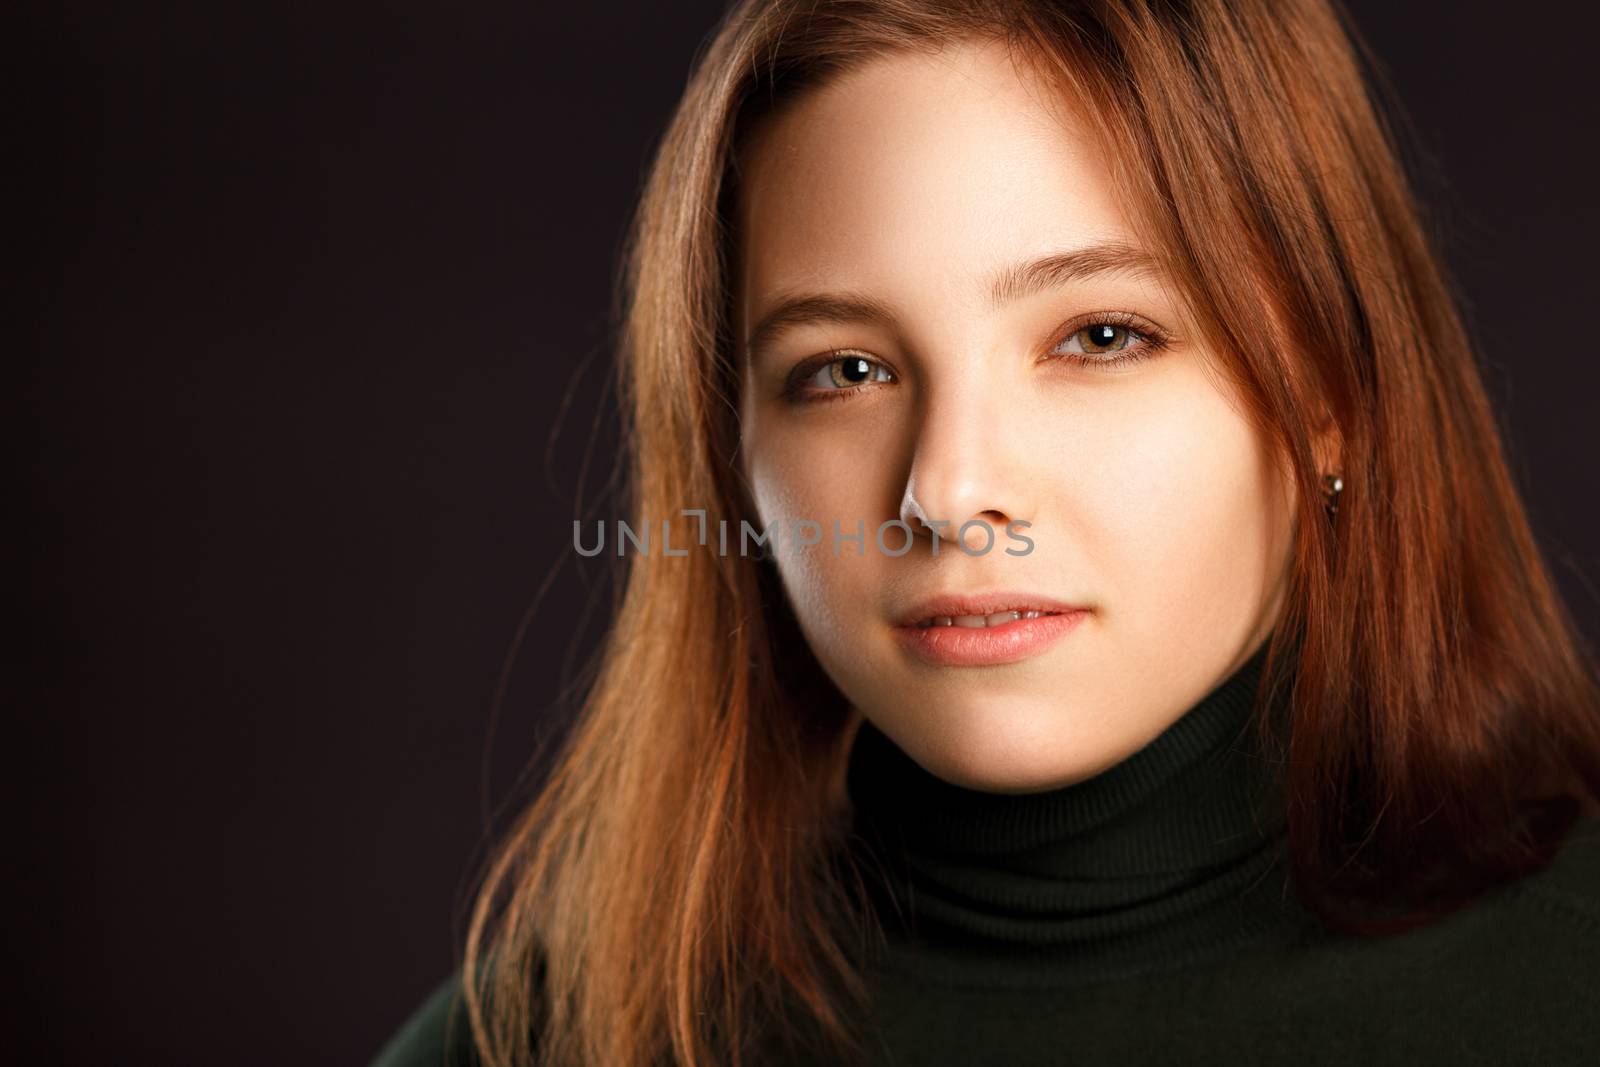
(1143, 916)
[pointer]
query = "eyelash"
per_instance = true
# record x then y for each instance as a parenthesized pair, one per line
(1152, 339)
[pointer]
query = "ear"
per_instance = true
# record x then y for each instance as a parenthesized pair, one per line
(1327, 444)
(1327, 456)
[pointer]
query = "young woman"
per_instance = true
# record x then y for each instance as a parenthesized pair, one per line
(1151, 660)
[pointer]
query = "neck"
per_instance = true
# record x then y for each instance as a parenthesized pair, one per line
(1166, 854)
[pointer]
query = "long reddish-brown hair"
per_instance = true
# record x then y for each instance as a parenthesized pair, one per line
(676, 883)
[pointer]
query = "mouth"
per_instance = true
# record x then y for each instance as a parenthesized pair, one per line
(986, 631)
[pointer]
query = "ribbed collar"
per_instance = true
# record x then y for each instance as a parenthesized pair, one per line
(1162, 857)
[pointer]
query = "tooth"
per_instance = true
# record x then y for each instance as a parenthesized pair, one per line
(977, 622)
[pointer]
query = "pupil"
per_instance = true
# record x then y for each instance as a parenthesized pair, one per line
(855, 370)
(1102, 336)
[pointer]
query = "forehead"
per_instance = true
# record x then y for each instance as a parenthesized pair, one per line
(919, 173)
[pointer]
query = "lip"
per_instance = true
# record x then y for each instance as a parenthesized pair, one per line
(956, 646)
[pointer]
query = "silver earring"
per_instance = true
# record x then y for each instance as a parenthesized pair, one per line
(1332, 486)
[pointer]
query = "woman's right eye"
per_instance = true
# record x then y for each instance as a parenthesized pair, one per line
(842, 374)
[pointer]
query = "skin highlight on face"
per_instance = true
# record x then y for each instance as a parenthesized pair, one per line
(950, 316)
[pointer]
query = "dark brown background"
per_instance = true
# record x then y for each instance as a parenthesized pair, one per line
(314, 281)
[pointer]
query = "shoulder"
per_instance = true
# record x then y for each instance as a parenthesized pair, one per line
(1568, 890)
(1531, 949)
(437, 1034)
(1546, 922)
(1507, 979)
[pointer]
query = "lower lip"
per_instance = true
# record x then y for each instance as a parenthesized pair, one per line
(962, 646)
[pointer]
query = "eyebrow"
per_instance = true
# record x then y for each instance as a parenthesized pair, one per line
(1005, 286)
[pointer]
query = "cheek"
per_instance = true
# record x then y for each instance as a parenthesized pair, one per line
(823, 477)
(794, 476)
(1185, 510)
(815, 464)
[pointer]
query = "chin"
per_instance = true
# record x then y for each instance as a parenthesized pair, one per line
(1008, 750)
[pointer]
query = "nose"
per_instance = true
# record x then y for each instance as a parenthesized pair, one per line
(968, 471)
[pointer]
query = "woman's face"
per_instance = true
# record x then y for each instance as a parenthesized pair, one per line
(912, 205)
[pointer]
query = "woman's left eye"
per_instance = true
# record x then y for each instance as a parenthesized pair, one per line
(1107, 341)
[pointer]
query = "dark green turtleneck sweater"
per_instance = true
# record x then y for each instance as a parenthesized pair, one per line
(1143, 916)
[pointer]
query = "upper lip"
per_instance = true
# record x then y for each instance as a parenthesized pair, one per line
(953, 604)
